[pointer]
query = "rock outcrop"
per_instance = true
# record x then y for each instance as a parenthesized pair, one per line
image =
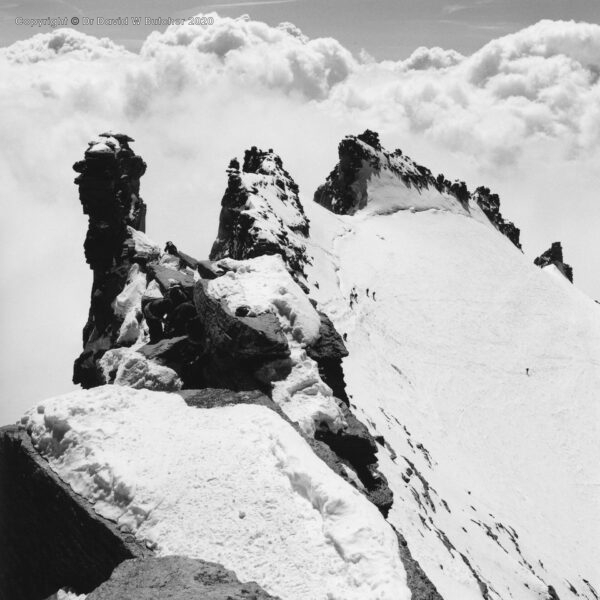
(261, 213)
(51, 537)
(328, 351)
(176, 578)
(554, 256)
(490, 205)
(361, 158)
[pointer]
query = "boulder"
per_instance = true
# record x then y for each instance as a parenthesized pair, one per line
(242, 352)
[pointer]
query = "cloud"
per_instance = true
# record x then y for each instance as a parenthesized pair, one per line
(256, 54)
(521, 115)
(61, 42)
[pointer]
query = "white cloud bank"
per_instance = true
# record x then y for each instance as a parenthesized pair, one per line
(521, 115)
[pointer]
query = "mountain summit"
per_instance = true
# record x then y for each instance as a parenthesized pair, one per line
(369, 178)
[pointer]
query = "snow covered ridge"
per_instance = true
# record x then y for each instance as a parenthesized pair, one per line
(245, 491)
(261, 213)
(366, 172)
(162, 320)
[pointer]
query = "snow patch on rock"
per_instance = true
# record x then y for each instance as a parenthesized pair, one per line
(143, 244)
(128, 305)
(236, 485)
(305, 398)
(126, 367)
(263, 284)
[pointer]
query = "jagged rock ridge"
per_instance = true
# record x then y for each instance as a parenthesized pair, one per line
(554, 256)
(362, 157)
(157, 320)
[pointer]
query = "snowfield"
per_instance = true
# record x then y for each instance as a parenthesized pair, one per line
(235, 485)
(482, 372)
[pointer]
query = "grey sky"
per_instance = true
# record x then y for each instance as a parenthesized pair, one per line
(387, 29)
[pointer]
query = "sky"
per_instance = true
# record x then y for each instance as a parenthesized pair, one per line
(503, 94)
(387, 29)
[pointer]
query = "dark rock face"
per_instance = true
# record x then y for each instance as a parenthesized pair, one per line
(554, 256)
(421, 588)
(328, 351)
(176, 578)
(51, 537)
(244, 352)
(358, 449)
(490, 205)
(109, 184)
(346, 189)
(261, 213)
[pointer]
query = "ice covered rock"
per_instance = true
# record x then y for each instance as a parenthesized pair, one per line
(261, 213)
(554, 256)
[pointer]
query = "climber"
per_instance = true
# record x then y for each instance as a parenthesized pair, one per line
(176, 294)
(527, 371)
(154, 309)
(178, 320)
(170, 248)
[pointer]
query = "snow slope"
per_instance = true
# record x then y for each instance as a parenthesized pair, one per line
(482, 372)
(235, 485)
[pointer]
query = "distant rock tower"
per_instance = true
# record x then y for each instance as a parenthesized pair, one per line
(554, 256)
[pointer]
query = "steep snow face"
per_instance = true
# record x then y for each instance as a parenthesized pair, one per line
(236, 485)
(482, 373)
(263, 284)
